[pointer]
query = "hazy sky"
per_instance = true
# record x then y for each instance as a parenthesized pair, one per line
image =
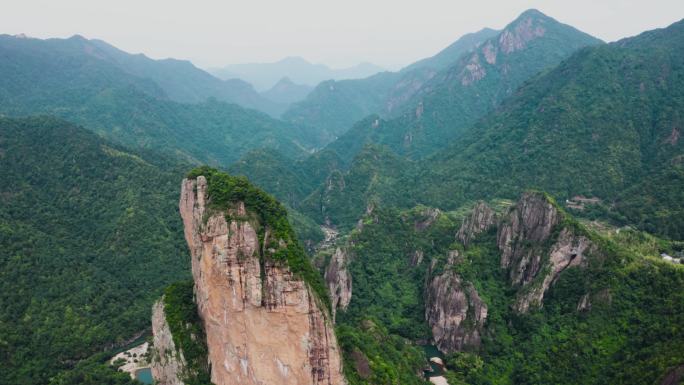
(339, 33)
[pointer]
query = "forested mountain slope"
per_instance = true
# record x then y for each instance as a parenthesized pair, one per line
(89, 235)
(68, 79)
(287, 92)
(335, 106)
(606, 122)
(446, 105)
(180, 80)
(514, 293)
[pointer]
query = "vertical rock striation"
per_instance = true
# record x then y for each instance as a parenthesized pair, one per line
(480, 220)
(524, 237)
(454, 311)
(167, 363)
(520, 235)
(263, 324)
(339, 280)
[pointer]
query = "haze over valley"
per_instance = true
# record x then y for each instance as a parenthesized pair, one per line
(498, 200)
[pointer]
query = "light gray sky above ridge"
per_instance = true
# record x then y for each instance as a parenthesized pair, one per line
(390, 33)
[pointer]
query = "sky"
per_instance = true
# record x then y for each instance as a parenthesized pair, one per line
(340, 33)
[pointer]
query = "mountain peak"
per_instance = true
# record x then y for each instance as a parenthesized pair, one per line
(285, 80)
(533, 12)
(78, 37)
(294, 60)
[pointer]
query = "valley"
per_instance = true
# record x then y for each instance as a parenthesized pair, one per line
(508, 210)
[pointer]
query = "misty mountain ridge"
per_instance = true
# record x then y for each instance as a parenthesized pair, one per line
(265, 75)
(335, 106)
(513, 205)
(177, 80)
(286, 92)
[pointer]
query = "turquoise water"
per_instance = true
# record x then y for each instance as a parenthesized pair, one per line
(432, 351)
(144, 376)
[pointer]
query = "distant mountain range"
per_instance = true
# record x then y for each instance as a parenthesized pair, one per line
(449, 101)
(516, 200)
(168, 105)
(286, 92)
(265, 75)
(176, 80)
(335, 106)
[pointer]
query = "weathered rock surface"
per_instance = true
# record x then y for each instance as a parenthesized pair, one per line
(517, 38)
(522, 238)
(529, 222)
(417, 257)
(263, 324)
(674, 376)
(569, 250)
(480, 220)
(339, 280)
(166, 362)
(427, 217)
(455, 312)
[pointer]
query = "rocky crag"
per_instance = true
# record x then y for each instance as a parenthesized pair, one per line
(454, 311)
(536, 245)
(480, 220)
(166, 360)
(263, 321)
(339, 280)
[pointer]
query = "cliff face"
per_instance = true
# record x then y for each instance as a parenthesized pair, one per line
(455, 312)
(522, 238)
(167, 363)
(339, 280)
(568, 250)
(480, 220)
(530, 221)
(263, 324)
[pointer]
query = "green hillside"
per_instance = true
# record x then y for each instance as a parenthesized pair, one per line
(89, 236)
(334, 106)
(604, 123)
(632, 333)
(66, 78)
(452, 100)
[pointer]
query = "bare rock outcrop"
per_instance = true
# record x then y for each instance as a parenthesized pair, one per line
(516, 38)
(427, 217)
(263, 324)
(523, 237)
(416, 258)
(455, 312)
(480, 220)
(568, 250)
(529, 222)
(166, 362)
(339, 280)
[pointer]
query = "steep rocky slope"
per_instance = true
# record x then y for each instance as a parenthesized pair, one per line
(262, 307)
(454, 310)
(339, 280)
(442, 107)
(523, 238)
(129, 101)
(604, 123)
(480, 220)
(166, 361)
(336, 105)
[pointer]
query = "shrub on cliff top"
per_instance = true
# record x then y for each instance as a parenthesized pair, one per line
(224, 191)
